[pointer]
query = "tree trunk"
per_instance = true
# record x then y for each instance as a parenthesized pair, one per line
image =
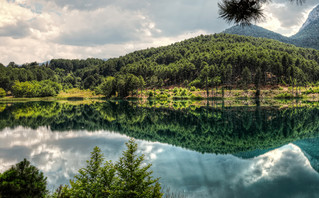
(206, 89)
(223, 93)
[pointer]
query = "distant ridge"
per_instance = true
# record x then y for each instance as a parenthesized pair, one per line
(257, 31)
(308, 35)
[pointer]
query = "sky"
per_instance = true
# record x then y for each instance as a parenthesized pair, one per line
(40, 30)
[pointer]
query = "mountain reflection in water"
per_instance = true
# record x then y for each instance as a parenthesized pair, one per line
(199, 152)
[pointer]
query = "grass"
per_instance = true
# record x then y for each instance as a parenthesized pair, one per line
(71, 94)
(12, 99)
(78, 93)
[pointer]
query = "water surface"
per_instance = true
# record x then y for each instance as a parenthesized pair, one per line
(239, 151)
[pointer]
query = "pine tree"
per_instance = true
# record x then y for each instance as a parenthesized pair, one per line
(94, 180)
(244, 12)
(246, 75)
(23, 180)
(258, 77)
(135, 180)
(128, 178)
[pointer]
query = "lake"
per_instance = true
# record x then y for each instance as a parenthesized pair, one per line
(198, 150)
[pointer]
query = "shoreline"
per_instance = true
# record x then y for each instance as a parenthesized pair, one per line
(184, 94)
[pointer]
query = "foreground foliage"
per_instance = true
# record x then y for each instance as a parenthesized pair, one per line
(127, 178)
(23, 180)
(244, 12)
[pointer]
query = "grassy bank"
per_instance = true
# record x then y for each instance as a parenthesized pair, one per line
(71, 94)
(182, 93)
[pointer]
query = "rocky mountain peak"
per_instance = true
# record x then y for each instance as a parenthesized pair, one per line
(313, 16)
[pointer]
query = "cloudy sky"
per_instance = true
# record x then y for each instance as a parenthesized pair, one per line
(39, 30)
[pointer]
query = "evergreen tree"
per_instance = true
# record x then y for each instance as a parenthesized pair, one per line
(108, 87)
(23, 180)
(241, 11)
(244, 12)
(246, 77)
(258, 77)
(128, 178)
(204, 76)
(93, 181)
(135, 179)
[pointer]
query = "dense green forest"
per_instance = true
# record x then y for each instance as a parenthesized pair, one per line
(219, 60)
(204, 129)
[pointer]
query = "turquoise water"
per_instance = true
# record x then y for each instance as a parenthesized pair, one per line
(197, 151)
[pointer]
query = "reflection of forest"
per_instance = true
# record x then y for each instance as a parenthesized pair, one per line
(204, 129)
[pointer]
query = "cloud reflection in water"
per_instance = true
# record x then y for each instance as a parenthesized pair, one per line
(283, 172)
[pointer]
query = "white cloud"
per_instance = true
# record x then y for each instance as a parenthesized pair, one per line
(30, 49)
(14, 20)
(109, 25)
(284, 17)
(39, 30)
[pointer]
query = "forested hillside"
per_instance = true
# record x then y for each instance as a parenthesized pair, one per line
(203, 61)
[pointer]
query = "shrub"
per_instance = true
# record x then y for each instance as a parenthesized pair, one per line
(312, 90)
(35, 89)
(161, 96)
(183, 92)
(192, 88)
(2, 93)
(196, 83)
(150, 94)
(196, 97)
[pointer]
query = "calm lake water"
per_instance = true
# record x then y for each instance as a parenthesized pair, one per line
(198, 151)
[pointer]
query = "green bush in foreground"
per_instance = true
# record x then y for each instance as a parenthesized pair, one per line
(23, 180)
(127, 178)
